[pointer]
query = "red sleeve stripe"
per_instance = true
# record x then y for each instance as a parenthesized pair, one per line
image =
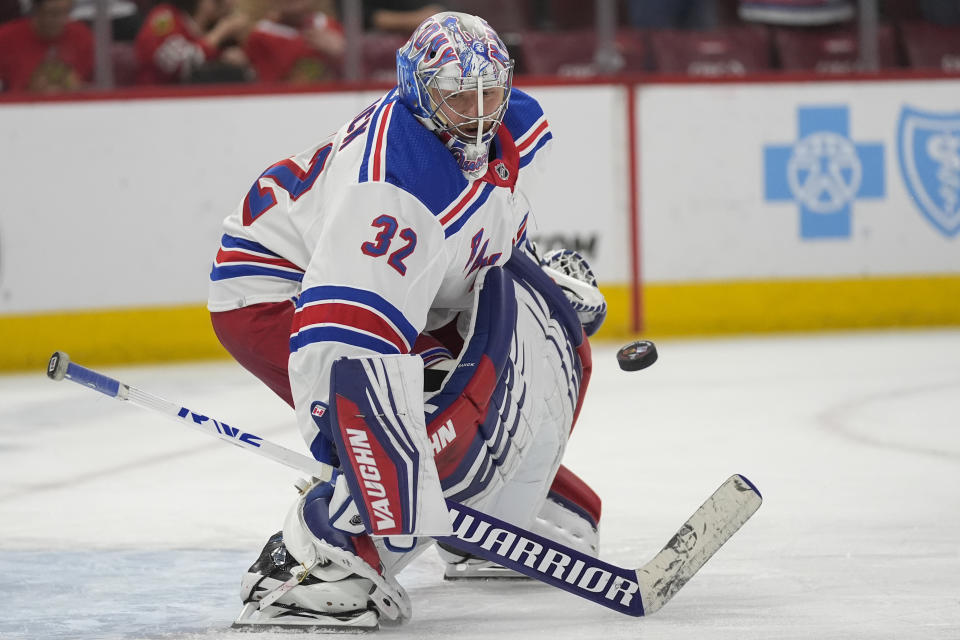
(379, 169)
(530, 138)
(242, 257)
(350, 316)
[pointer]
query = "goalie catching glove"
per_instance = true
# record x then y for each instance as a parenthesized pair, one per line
(572, 273)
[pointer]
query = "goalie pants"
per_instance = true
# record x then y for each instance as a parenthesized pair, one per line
(258, 337)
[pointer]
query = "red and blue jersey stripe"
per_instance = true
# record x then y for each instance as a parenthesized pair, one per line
(462, 209)
(239, 257)
(348, 315)
(525, 119)
(521, 238)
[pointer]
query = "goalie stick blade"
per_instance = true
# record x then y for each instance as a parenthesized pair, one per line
(698, 539)
(634, 592)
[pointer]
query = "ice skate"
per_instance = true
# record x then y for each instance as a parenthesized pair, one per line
(461, 566)
(280, 593)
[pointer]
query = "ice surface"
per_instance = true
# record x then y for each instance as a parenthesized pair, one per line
(117, 523)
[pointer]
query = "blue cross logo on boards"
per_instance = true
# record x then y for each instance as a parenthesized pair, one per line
(824, 172)
(928, 146)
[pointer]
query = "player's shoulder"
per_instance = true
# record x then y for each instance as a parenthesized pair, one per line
(527, 124)
(402, 152)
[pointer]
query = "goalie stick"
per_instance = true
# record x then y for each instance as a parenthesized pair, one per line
(634, 592)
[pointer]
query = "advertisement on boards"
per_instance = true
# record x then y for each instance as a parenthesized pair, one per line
(795, 180)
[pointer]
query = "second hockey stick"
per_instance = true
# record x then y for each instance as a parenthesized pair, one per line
(634, 592)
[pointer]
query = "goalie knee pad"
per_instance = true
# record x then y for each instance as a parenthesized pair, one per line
(516, 384)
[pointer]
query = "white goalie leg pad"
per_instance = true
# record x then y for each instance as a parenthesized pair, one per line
(501, 420)
(538, 405)
(377, 420)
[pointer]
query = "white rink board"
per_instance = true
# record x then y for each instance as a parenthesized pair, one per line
(115, 204)
(119, 203)
(584, 199)
(703, 210)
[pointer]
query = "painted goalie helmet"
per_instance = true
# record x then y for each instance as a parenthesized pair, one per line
(455, 75)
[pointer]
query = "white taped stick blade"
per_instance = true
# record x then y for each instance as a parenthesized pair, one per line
(698, 539)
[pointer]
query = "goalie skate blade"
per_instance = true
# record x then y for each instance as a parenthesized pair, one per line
(486, 571)
(698, 539)
(362, 622)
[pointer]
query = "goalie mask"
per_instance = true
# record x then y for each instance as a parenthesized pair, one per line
(455, 75)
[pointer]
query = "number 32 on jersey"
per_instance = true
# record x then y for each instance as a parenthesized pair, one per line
(383, 243)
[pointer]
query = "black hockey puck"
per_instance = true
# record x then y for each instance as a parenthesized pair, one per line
(637, 355)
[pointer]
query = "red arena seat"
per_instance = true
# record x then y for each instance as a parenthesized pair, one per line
(829, 50)
(724, 52)
(930, 46)
(505, 16)
(568, 14)
(571, 53)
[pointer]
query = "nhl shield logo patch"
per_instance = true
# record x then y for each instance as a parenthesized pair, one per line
(928, 146)
(502, 171)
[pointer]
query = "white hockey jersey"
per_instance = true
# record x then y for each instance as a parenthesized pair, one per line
(376, 235)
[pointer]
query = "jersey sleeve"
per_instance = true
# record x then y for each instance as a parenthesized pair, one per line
(378, 262)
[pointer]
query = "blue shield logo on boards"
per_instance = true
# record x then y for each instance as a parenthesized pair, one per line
(824, 172)
(928, 146)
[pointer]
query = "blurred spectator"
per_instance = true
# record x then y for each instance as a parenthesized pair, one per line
(672, 14)
(294, 42)
(125, 18)
(45, 52)
(797, 13)
(942, 12)
(192, 41)
(397, 15)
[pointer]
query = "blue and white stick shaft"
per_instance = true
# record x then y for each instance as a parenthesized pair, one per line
(60, 367)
